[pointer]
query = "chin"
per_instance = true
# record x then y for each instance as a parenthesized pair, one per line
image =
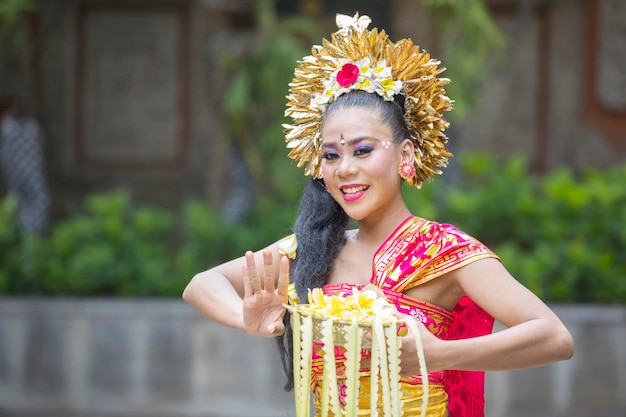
(354, 215)
(357, 215)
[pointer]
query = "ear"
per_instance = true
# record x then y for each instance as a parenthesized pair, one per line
(407, 151)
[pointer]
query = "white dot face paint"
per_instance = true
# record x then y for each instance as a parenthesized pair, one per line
(342, 141)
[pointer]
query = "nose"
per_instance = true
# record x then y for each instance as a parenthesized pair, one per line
(347, 167)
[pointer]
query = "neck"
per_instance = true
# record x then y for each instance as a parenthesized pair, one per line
(375, 231)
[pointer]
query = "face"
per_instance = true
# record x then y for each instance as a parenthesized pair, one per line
(360, 162)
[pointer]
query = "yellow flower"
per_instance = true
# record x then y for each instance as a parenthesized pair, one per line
(360, 305)
(364, 84)
(292, 294)
(336, 306)
(316, 297)
(365, 301)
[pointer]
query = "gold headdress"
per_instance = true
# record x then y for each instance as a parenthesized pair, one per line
(360, 59)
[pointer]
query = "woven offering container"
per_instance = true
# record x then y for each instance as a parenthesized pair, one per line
(357, 321)
(341, 327)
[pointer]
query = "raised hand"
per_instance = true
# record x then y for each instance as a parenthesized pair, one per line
(264, 298)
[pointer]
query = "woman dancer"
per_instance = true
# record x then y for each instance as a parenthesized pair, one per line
(367, 116)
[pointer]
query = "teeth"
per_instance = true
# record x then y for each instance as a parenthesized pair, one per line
(353, 190)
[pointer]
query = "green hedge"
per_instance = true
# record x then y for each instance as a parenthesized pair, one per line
(115, 248)
(561, 235)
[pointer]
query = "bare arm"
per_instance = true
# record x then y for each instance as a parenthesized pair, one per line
(240, 295)
(534, 335)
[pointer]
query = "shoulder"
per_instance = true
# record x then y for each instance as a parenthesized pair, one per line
(288, 245)
(448, 237)
(429, 228)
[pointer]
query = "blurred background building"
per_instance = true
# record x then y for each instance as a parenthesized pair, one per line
(146, 95)
(131, 92)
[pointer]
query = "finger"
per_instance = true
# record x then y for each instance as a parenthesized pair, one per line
(283, 277)
(255, 282)
(247, 287)
(268, 261)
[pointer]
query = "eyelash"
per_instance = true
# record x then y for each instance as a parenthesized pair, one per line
(358, 151)
(363, 150)
(330, 155)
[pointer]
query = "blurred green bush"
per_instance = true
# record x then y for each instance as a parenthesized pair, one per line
(117, 249)
(562, 235)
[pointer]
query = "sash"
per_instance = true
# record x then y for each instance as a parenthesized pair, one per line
(419, 251)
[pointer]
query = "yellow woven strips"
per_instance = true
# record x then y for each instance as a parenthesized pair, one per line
(330, 391)
(353, 364)
(412, 325)
(391, 336)
(375, 370)
(297, 351)
(378, 333)
(304, 396)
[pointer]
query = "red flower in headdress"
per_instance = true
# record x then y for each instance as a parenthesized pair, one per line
(348, 75)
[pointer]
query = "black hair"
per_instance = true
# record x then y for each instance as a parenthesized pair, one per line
(320, 231)
(321, 223)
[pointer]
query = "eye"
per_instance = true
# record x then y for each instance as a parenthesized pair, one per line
(363, 150)
(330, 155)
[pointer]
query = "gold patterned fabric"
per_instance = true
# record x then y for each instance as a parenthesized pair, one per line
(411, 399)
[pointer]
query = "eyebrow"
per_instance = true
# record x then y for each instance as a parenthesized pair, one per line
(350, 142)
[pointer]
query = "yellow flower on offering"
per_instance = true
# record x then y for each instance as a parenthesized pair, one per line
(317, 298)
(360, 305)
(336, 307)
(292, 294)
(365, 301)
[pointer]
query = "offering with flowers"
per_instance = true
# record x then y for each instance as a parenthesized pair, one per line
(361, 320)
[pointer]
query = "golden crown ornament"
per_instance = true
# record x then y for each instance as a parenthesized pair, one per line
(360, 59)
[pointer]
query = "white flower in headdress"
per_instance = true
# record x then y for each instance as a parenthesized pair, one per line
(331, 90)
(366, 80)
(387, 86)
(345, 22)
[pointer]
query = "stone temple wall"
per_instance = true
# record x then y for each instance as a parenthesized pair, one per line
(134, 358)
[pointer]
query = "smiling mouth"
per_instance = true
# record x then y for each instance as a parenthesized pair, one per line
(354, 190)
